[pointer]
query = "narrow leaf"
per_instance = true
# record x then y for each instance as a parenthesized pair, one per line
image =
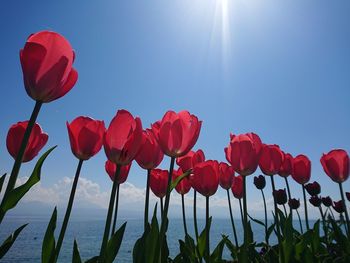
(48, 248)
(113, 244)
(6, 245)
(178, 179)
(76, 255)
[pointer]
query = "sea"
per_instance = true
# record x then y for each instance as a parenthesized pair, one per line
(88, 233)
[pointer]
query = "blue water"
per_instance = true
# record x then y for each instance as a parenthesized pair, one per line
(88, 233)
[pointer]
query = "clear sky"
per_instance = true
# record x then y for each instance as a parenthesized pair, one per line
(277, 68)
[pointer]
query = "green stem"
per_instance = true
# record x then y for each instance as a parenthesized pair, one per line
(241, 209)
(245, 221)
(183, 214)
(115, 210)
(305, 208)
(161, 207)
(289, 196)
(231, 216)
(265, 210)
(324, 224)
(164, 224)
(277, 222)
(285, 210)
(147, 199)
(207, 242)
(68, 210)
(301, 225)
(18, 161)
(195, 214)
(346, 210)
(109, 214)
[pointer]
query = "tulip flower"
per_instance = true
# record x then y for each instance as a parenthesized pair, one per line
(186, 163)
(47, 60)
(287, 165)
(294, 204)
(280, 196)
(149, 157)
(313, 188)
(158, 182)
(205, 180)
(86, 136)
(37, 140)
(237, 191)
(339, 206)
(122, 142)
(271, 159)
(259, 182)
(301, 173)
(327, 201)
(315, 201)
(336, 166)
(177, 133)
(183, 187)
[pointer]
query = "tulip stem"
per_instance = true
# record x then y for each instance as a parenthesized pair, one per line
(161, 207)
(115, 210)
(164, 224)
(285, 210)
(195, 214)
(324, 224)
(18, 161)
(207, 242)
(305, 208)
(265, 210)
(109, 214)
(68, 210)
(301, 225)
(346, 211)
(184, 214)
(231, 216)
(289, 196)
(241, 209)
(277, 221)
(245, 222)
(147, 199)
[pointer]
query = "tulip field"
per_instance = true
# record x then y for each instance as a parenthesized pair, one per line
(47, 60)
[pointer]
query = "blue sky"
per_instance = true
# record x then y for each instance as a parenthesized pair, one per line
(277, 68)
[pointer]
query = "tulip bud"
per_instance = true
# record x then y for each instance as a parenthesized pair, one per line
(315, 200)
(336, 165)
(327, 201)
(313, 188)
(287, 165)
(301, 169)
(280, 196)
(294, 203)
(111, 168)
(260, 182)
(227, 175)
(159, 182)
(237, 187)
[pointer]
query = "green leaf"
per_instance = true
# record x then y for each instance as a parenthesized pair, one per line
(152, 239)
(93, 260)
(76, 255)
(202, 239)
(6, 245)
(2, 179)
(256, 221)
(178, 179)
(17, 193)
(216, 256)
(269, 230)
(48, 248)
(113, 244)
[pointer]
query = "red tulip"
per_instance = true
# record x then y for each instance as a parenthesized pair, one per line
(294, 203)
(159, 182)
(301, 169)
(123, 138)
(150, 154)
(327, 201)
(259, 182)
(336, 165)
(243, 153)
(47, 59)
(271, 159)
(339, 206)
(36, 142)
(237, 187)
(123, 174)
(315, 201)
(177, 133)
(189, 160)
(85, 136)
(287, 165)
(313, 188)
(280, 196)
(184, 186)
(205, 179)
(227, 175)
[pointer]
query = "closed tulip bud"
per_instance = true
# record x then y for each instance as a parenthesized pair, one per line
(260, 182)
(237, 187)
(159, 182)
(37, 140)
(313, 188)
(336, 165)
(315, 200)
(189, 160)
(111, 170)
(150, 154)
(205, 179)
(47, 60)
(294, 203)
(287, 165)
(327, 201)
(347, 195)
(227, 175)
(177, 133)
(339, 206)
(271, 159)
(301, 169)
(123, 138)
(184, 186)
(85, 136)
(280, 196)
(243, 153)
